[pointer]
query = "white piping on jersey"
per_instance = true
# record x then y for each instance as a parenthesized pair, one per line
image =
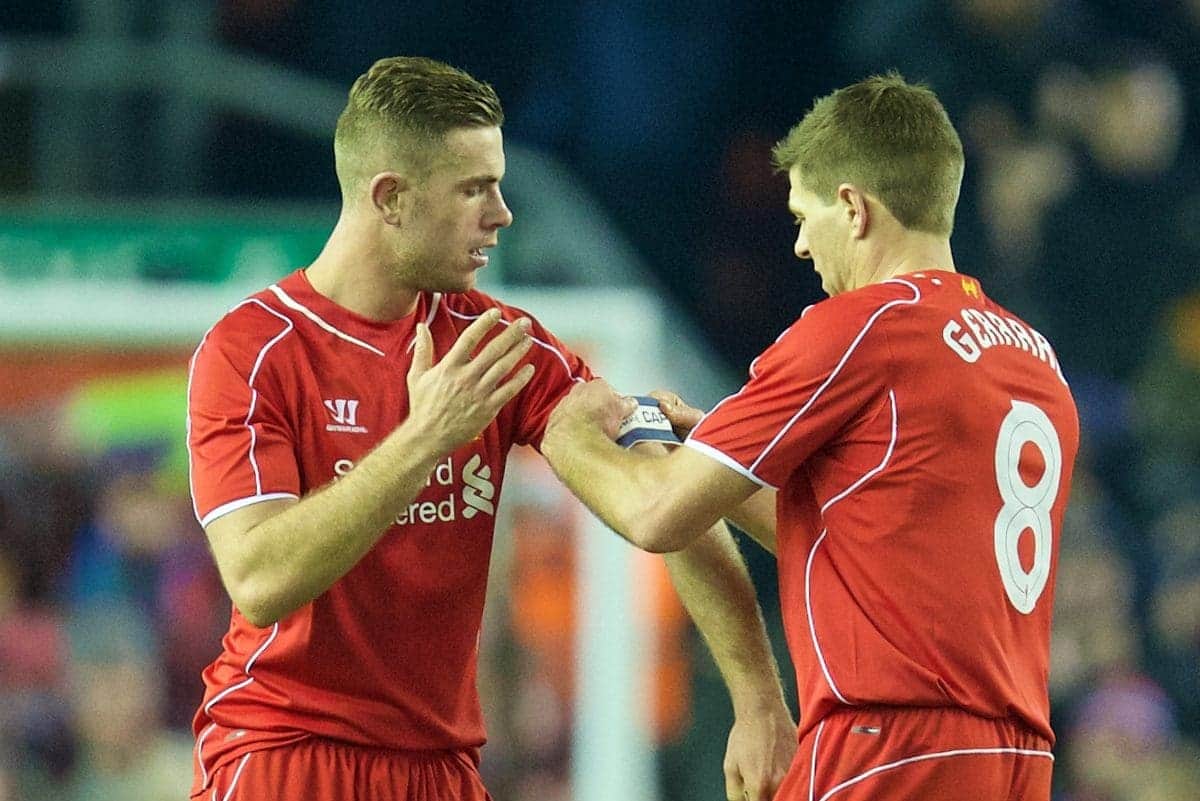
(208, 707)
(434, 302)
(754, 364)
(812, 627)
(725, 459)
(722, 402)
(841, 363)
(253, 399)
(877, 468)
(199, 758)
(232, 506)
(566, 365)
(254, 392)
(291, 303)
(957, 752)
(187, 425)
(236, 775)
(812, 768)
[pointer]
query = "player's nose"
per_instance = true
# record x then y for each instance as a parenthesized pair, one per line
(501, 216)
(801, 247)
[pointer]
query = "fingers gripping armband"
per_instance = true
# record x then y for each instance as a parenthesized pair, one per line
(647, 423)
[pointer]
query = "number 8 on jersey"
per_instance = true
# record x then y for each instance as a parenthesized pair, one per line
(1025, 507)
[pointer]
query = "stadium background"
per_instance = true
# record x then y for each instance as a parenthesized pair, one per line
(157, 158)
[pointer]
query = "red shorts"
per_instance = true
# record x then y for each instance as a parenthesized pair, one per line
(333, 771)
(907, 754)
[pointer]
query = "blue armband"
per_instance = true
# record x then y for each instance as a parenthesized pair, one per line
(647, 423)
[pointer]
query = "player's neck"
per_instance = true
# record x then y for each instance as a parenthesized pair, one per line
(352, 272)
(910, 254)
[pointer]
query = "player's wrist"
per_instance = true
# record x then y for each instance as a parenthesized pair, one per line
(567, 421)
(557, 433)
(759, 698)
(423, 441)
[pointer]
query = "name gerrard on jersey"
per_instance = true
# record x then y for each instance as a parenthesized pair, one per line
(471, 494)
(985, 329)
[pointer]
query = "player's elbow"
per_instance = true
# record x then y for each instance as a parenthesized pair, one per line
(657, 514)
(656, 532)
(656, 542)
(258, 612)
(257, 604)
(259, 616)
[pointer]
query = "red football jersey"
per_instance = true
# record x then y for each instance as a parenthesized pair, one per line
(922, 439)
(286, 393)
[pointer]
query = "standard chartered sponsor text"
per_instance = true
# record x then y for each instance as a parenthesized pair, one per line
(467, 493)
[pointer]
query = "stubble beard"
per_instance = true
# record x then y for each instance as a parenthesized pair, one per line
(427, 275)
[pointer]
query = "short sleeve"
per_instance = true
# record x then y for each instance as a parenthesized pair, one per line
(816, 379)
(240, 444)
(558, 369)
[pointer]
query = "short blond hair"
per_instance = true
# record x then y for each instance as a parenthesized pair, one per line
(400, 110)
(890, 138)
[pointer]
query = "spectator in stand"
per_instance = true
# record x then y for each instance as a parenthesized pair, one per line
(125, 751)
(142, 547)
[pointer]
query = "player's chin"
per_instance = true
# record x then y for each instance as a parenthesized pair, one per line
(824, 283)
(828, 285)
(458, 284)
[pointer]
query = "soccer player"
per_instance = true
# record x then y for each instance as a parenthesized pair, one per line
(905, 448)
(348, 428)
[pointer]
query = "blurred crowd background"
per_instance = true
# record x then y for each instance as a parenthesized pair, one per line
(1080, 211)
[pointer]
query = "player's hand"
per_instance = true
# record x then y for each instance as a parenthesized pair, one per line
(760, 751)
(593, 403)
(455, 399)
(683, 417)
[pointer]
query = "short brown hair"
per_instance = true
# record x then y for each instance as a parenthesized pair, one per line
(890, 138)
(402, 108)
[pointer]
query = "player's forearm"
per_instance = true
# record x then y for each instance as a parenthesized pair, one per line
(756, 517)
(296, 555)
(715, 587)
(623, 488)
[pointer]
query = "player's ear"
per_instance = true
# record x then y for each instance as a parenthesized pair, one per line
(853, 203)
(389, 192)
